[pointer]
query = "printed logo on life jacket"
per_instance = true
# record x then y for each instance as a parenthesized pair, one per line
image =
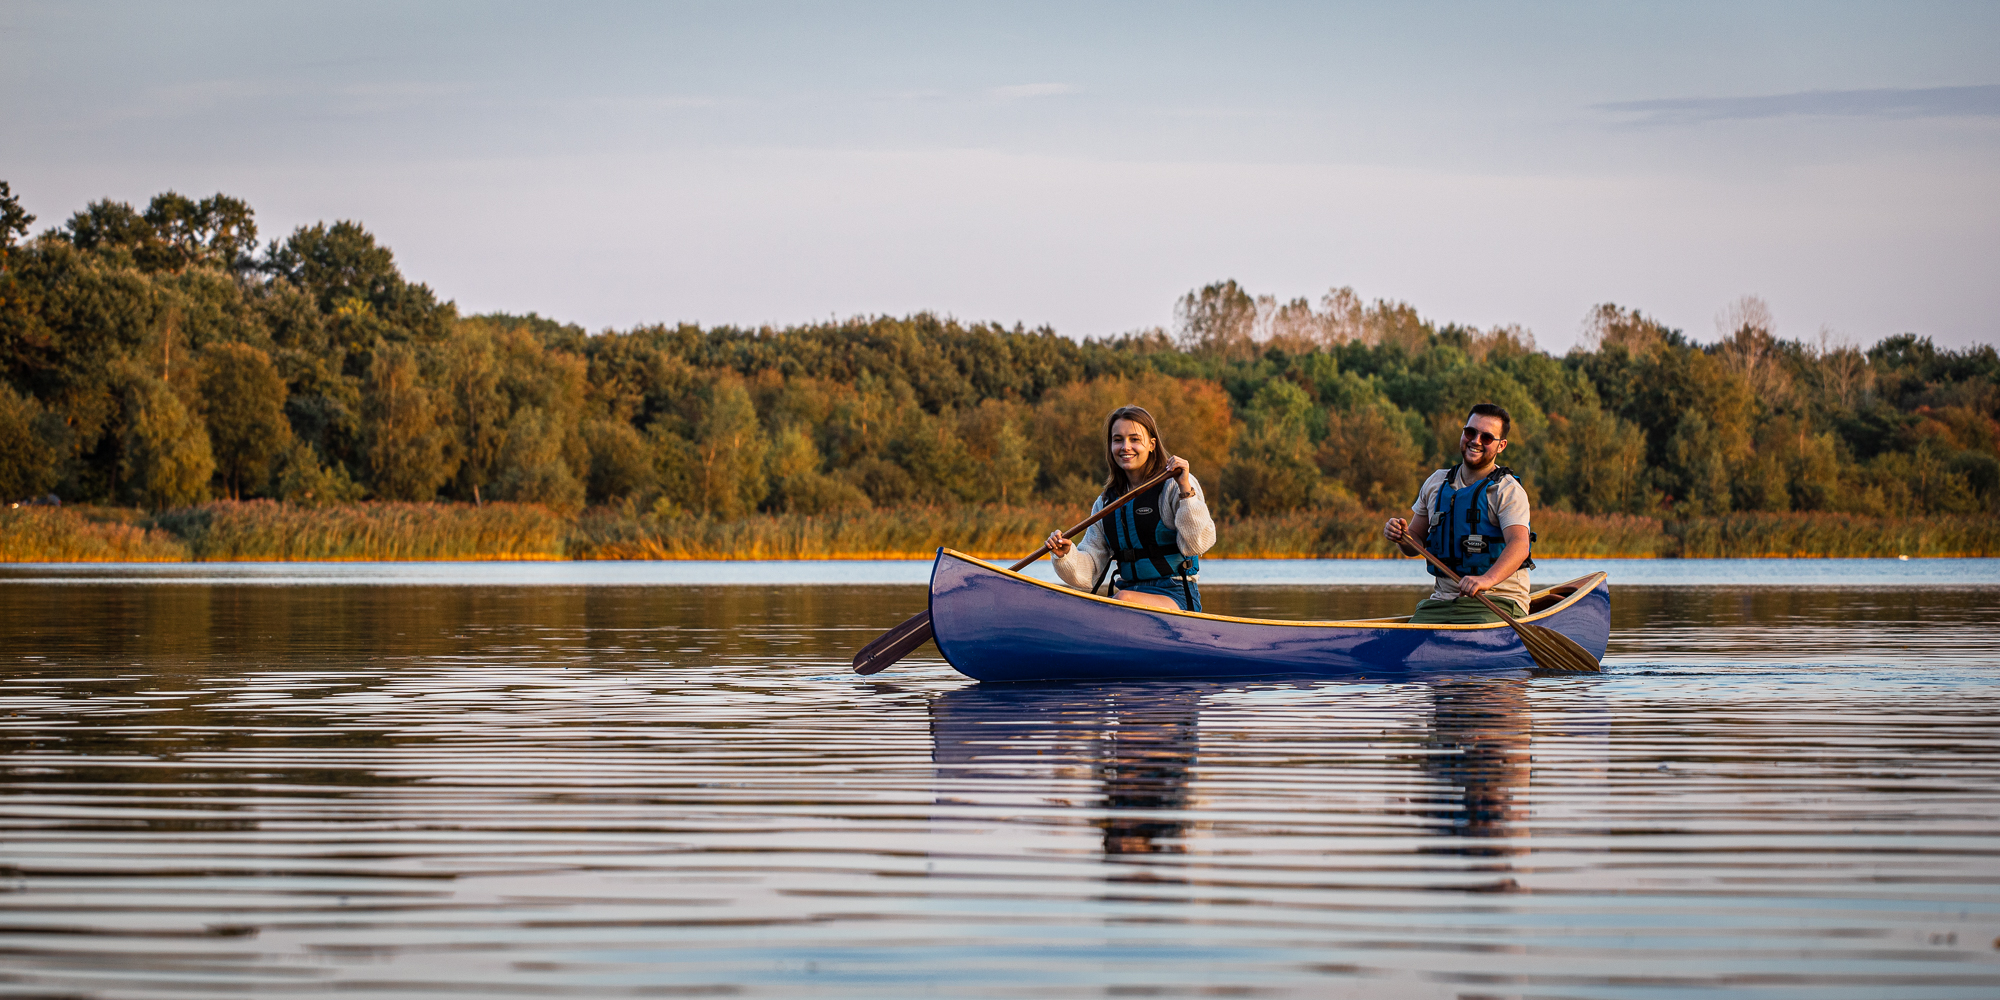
(1145, 510)
(1474, 543)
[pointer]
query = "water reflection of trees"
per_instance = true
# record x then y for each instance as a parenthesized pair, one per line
(105, 675)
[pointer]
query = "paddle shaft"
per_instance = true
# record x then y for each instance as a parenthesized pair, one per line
(1084, 525)
(898, 642)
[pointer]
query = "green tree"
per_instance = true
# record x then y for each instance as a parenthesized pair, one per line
(1272, 468)
(405, 446)
(797, 484)
(1595, 463)
(217, 231)
(347, 272)
(244, 402)
(166, 460)
(939, 457)
(28, 465)
(728, 452)
(621, 463)
(478, 410)
(1009, 475)
(14, 223)
(108, 226)
(532, 468)
(1697, 472)
(1369, 450)
(301, 477)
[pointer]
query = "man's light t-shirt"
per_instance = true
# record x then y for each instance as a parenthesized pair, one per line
(1508, 503)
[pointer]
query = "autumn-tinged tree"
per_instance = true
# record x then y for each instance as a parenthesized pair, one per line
(129, 342)
(1067, 428)
(1218, 319)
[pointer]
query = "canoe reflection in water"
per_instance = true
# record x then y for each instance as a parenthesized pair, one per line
(1128, 755)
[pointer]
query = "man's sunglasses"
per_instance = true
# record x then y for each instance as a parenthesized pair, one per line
(1482, 436)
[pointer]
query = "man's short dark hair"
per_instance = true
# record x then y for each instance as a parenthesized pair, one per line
(1493, 410)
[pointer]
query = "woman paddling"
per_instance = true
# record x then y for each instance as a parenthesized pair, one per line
(1159, 536)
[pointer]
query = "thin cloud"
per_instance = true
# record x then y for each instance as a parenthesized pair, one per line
(1023, 91)
(1930, 102)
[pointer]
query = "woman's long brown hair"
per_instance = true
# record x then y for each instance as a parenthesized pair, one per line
(1117, 485)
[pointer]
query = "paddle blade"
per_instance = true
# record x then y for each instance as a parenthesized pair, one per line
(1553, 650)
(894, 644)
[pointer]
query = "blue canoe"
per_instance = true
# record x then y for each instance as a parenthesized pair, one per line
(997, 625)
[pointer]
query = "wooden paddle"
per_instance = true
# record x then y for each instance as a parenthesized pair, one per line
(898, 642)
(1551, 649)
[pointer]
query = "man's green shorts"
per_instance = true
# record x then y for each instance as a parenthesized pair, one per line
(1464, 611)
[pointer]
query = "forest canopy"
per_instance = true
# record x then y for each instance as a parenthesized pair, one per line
(160, 357)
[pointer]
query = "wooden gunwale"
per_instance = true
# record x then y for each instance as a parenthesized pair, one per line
(1578, 589)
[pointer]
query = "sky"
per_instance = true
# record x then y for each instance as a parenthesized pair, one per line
(1074, 165)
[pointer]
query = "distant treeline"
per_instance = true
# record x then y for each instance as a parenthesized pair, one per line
(162, 358)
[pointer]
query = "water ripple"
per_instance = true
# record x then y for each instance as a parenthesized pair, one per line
(623, 791)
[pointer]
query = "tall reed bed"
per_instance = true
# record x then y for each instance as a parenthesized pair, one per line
(1010, 532)
(73, 534)
(265, 530)
(1833, 535)
(1358, 535)
(908, 533)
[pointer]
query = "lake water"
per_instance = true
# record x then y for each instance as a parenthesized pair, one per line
(645, 780)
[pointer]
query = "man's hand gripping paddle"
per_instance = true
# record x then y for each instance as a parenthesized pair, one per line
(1551, 649)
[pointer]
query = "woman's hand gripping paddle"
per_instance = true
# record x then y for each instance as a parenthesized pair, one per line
(1551, 649)
(900, 641)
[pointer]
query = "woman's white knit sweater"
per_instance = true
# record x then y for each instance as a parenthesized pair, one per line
(1189, 515)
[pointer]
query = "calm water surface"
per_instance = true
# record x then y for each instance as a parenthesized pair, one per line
(481, 781)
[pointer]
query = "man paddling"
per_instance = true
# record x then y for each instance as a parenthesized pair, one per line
(1474, 518)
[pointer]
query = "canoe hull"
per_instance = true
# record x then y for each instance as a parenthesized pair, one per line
(993, 625)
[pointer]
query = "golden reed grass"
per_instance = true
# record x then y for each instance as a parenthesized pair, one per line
(70, 534)
(1007, 533)
(908, 533)
(268, 531)
(265, 530)
(1813, 535)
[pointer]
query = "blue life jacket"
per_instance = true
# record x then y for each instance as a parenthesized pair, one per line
(1144, 544)
(1463, 532)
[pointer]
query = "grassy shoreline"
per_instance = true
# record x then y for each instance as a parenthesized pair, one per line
(267, 531)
